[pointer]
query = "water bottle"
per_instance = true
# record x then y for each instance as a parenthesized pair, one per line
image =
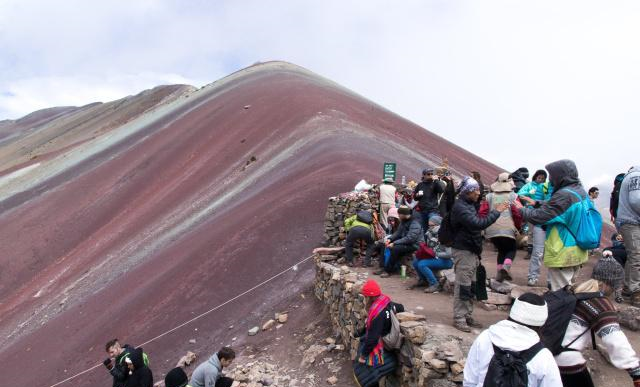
(404, 181)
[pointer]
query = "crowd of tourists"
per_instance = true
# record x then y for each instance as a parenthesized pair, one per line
(441, 225)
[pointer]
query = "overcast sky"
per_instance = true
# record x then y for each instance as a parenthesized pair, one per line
(520, 83)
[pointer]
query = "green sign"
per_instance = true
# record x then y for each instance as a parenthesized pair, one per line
(389, 171)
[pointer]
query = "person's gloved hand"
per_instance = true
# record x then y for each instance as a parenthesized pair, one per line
(107, 363)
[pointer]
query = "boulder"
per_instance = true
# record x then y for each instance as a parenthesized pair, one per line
(498, 299)
(517, 291)
(268, 325)
(408, 316)
(630, 318)
(414, 331)
(501, 287)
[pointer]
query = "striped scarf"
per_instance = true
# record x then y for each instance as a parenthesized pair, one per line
(375, 358)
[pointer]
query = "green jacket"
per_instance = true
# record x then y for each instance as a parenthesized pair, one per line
(353, 222)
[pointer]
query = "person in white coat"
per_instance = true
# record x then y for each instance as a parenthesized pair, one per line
(519, 333)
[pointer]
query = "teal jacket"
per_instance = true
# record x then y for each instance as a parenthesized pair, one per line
(536, 191)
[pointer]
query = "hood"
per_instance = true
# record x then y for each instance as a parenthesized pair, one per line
(521, 174)
(562, 173)
(512, 336)
(214, 361)
(137, 358)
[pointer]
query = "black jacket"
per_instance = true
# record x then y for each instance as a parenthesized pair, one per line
(141, 376)
(380, 326)
(409, 233)
(520, 177)
(448, 198)
(120, 371)
(428, 202)
(467, 225)
(619, 252)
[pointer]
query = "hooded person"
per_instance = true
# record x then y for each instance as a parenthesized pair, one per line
(406, 240)
(503, 232)
(628, 224)
(559, 215)
(599, 315)
(209, 373)
(176, 378)
(431, 257)
(518, 334)
(466, 249)
(140, 375)
(374, 361)
(520, 177)
(536, 190)
(617, 249)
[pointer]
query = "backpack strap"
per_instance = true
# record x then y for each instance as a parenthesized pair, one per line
(530, 353)
(575, 193)
(582, 297)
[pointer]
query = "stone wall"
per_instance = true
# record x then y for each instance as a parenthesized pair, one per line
(342, 207)
(428, 359)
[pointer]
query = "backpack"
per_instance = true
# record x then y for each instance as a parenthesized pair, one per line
(561, 304)
(509, 368)
(393, 339)
(364, 217)
(590, 228)
(446, 232)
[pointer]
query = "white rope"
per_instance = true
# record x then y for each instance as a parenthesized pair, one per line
(292, 267)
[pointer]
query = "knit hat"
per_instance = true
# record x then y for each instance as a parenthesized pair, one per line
(525, 311)
(435, 219)
(503, 184)
(468, 184)
(176, 378)
(609, 271)
(371, 289)
(393, 213)
(404, 210)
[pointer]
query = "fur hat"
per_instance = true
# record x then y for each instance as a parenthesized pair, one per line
(609, 271)
(529, 309)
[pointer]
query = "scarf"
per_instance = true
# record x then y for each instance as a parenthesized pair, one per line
(375, 358)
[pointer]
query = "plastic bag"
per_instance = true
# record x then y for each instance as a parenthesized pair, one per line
(362, 186)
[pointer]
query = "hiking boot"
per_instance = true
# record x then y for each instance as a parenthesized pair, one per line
(433, 289)
(419, 284)
(502, 275)
(532, 282)
(378, 272)
(461, 325)
(508, 276)
(635, 298)
(385, 275)
(473, 323)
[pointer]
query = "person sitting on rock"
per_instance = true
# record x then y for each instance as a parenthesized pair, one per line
(374, 361)
(600, 316)
(359, 227)
(617, 249)
(405, 240)
(519, 336)
(431, 256)
(209, 373)
(467, 226)
(139, 373)
(176, 378)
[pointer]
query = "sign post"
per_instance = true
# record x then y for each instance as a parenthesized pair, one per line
(389, 171)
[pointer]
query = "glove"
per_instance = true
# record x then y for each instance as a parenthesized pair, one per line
(107, 363)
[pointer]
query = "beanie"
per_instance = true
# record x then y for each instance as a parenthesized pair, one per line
(468, 184)
(371, 289)
(435, 219)
(176, 378)
(609, 271)
(392, 213)
(525, 312)
(404, 210)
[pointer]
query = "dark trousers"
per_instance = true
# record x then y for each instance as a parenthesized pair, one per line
(397, 252)
(580, 379)
(224, 382)
(425, 215)
(359, 233)
(506, 248)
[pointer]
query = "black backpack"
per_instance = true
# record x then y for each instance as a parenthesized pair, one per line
(561, 305)
(509, 368)
(364, 217)
(446, 232)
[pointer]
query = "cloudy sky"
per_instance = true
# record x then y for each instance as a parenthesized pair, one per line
(520, 83)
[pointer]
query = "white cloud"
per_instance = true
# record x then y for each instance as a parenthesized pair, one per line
(519, 83)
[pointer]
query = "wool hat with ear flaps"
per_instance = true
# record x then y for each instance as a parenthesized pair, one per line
(529, 309)
(371, 289)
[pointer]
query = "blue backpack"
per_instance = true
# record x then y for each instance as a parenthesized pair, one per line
(590, 228)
